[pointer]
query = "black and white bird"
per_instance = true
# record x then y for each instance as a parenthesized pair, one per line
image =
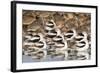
(42, 40)
(50, 29)
(60, 44)
(35, 43)
(51, 34)
(81, 36)
(35, 38)
(31, 40)
(70, 34)
(49, 26)
(40, 46)
(58, 39)
(30, 37)
(82, 43)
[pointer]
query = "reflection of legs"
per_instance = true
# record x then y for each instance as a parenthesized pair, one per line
(41, 55)
(72, 54)
(66, 55)
(29, 51)
(62, 53)
(51, 51)
(82, 55)
(45, 54)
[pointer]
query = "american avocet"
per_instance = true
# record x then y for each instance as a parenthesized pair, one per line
(82, 43)
(35, 38)
(60, 44)
(70, 34)
(50, 25)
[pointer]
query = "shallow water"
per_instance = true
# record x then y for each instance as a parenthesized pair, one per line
(28, 59)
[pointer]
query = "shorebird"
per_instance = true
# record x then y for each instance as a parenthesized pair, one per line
(82, 46)
(58, 39)
(50, 25)
(60, 44)
(35, 38)
(50, 29)
(61, 48)
(42, 40)
(40, 46)
(31, 40)
(51, 34)
(82, 43)
(81, 36)
(70, 34)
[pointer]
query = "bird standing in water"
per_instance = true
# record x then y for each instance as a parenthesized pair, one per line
(41, 46)
(60, 44)
(82, 45)
(70, 34)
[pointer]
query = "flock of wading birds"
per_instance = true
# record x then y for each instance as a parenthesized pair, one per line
(55, 43)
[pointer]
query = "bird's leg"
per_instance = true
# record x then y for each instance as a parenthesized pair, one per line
(65, 55)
